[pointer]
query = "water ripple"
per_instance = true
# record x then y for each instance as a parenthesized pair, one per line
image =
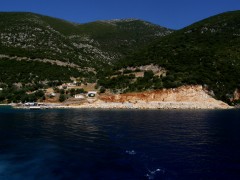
(125, 144)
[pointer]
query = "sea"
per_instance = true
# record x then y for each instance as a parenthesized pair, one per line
(85, 144)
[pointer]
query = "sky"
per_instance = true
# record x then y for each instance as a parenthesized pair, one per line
(173, 14)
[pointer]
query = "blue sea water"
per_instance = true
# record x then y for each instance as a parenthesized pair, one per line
(119, 144)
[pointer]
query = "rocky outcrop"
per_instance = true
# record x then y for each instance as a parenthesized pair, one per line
(186, 97)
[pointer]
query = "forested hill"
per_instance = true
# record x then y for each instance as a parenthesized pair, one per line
(121, 55)
(207, 53)
(54, 49)
(36, 36)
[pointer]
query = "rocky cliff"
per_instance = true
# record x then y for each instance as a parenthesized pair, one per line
(190, 97)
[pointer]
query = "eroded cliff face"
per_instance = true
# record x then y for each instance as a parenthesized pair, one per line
(185, 94)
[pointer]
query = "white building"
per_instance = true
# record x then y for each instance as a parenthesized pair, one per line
(52, 94)
(79, 96)
(29, 104)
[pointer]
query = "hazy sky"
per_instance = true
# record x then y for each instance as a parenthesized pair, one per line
(169, 13)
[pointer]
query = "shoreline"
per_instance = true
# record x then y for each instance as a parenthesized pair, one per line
(184, 97)
(157, 105)
(5, 105)
(149, 106)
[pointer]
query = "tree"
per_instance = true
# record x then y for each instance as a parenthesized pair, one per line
(72, 92)
(62, 91)
(62, 98)
(79, 91)
(102, 90)
(148, 74)
(39, 93)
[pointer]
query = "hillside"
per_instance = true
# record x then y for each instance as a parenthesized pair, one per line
(93, 45)
(205, 53)
(120, 55)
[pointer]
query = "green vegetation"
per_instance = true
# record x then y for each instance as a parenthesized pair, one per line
(77, 91)
(206, 53)
(93, 44)
(24, 94)
(102, 90)
(26, 72)
(26, 39)
(62, 97)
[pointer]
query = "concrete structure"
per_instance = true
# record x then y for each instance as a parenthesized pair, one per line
(91, 93)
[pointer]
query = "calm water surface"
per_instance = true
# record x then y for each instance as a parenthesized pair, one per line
(119, 144)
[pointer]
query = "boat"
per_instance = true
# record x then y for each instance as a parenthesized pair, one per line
(34, 107)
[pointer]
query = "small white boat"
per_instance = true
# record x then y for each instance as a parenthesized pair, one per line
(34, 107)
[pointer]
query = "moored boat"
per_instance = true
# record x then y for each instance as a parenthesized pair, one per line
(34, 107)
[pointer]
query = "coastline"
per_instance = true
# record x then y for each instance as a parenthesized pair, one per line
(154, 105)
(147, 105)
(184, 97)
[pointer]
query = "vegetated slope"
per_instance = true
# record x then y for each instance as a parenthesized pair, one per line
(34, 72)
(207, 53)
(93, 45)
